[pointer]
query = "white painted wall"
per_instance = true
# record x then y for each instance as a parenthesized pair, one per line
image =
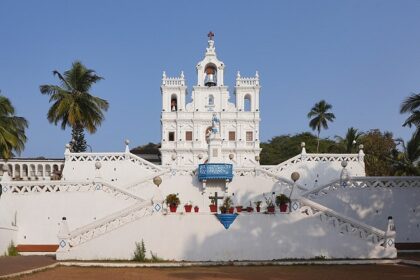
(201, 237)
(38, 215)
(373, 206)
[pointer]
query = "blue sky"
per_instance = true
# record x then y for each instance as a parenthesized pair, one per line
(363, 57)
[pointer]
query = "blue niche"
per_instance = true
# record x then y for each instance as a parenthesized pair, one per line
(226, 219)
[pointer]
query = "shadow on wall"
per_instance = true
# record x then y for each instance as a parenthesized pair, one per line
(373, 206)
(288, 236)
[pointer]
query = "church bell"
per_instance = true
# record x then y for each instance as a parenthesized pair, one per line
(210, 79)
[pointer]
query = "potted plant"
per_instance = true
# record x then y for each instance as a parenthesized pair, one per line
(226, 206)
(188, 207)
(258, 205)
(238, 209)
(282, 201)
(196, 208)
(213, 207)
(172, 200)
(270, 205)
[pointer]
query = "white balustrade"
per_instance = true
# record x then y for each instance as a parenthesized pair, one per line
(167, 81)
(38, 187)
(313, 158)
(364, 183)
(247, 82)
(345, 225)
(109, 223)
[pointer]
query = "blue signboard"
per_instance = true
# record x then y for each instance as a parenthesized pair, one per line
(215, 171)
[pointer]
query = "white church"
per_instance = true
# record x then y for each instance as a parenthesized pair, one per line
(210, 199)
(186, 127)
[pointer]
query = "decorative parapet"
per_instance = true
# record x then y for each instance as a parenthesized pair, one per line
(312, 158)
(364, 183)
(247, 81)
(112, 157)
(173, 81)
(38, 187)
(215, 171)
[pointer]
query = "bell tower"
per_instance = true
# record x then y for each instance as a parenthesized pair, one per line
(210, 129)
(210, 69)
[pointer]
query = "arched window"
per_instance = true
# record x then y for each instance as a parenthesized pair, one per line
(247, 103)
(174, 103)
(211, 100)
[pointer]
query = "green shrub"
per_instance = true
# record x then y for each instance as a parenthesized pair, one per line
(12, 250)
(140, 252)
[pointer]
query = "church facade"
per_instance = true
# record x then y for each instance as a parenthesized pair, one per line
(186, 126)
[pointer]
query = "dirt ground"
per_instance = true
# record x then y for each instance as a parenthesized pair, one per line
(301, 272)
(10, 265)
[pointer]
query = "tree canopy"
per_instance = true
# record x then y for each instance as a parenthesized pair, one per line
(12, 130)
(320, 117)
(73, 105)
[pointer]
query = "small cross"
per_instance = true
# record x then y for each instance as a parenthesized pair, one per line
(216, 198)
(210, 35)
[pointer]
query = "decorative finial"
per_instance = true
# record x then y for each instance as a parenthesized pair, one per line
(127, 148)
(238, 75)
(182, 74)
(211, 36)
(257, 75)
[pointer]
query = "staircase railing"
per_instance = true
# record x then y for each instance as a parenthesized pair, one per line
(112, 157)
(38, 187)
(109, 223)
(363, 182)
(311, 158)
(344, 224)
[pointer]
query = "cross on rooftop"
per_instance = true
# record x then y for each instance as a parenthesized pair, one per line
(210, 35)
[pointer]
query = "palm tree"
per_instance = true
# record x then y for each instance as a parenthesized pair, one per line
(73, 105)
(412, 105)
(406, 163)
(321, 117)
(350, 139)
(12, 130)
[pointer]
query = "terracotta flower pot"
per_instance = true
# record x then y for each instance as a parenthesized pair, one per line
(173, 208)
(188, 208)
(238, 209)
(271, 209)
(283, 207)
(213, 208)
(231, 210)
(196, 209)
(258, 208)
(249, 209)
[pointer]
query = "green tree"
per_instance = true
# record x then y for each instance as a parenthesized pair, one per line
(78, 144)
(412, 105)
(150, 148)
(351, 138)
(283, 147)
(320, 117)
(73, 105)
(379, 148)
(12, 130)
(406, 162)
